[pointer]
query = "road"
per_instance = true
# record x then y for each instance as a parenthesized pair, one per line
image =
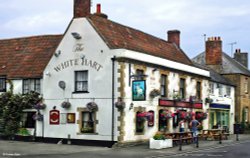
(231, 149)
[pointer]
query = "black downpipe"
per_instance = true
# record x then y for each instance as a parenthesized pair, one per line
(113, 97)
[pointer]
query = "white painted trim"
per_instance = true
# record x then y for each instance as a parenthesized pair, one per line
(160, 61)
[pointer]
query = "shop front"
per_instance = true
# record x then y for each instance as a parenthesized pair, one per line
(219, 116)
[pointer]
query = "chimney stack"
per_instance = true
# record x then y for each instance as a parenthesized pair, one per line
(174, 37)
(214, 51)
(241, 57)
(81, 8)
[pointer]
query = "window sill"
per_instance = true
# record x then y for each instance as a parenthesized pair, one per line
(87, 133)
(79, 92)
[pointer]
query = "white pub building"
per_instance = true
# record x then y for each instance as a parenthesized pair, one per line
(104, 82)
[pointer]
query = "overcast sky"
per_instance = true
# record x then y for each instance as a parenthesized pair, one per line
(228, 19)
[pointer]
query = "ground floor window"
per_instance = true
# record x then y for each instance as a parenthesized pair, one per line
(140, 122)
(245, 114)
(218, 118)
(164, 116)
(27, 120)
(88, 122)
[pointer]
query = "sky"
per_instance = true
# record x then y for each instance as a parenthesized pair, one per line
(229, 19)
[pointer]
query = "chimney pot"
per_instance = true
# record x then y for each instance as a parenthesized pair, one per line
(98, 8)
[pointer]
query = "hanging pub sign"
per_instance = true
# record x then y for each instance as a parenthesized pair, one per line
(54, 117)
(139, 90)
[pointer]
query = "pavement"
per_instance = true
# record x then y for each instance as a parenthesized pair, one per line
(17, 148)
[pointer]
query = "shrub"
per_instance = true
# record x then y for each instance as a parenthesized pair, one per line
(159, 136)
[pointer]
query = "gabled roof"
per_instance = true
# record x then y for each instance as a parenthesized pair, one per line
(229, 65)
(26, 57)
(119, 36)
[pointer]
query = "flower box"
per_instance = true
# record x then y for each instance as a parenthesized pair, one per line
(160, 144)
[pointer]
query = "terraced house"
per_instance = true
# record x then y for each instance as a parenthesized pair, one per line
(104, 82)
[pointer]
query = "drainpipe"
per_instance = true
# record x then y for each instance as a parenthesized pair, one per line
(113, 97)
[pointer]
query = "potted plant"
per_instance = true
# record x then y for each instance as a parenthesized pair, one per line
(208, 100)
(92, 106)
(154, 93)
(87, 130)
(159, 141)
(66, 104)
(120, 105)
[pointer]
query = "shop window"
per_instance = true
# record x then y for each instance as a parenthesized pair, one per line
(88, 122)
(140, 122)
(31, 85)
(198, 90)
(182, 88)
(81, 81)
(163, 85)
(27, 120)
(219, 119)
(2, 84)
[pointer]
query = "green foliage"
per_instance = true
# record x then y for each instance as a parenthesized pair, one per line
(11, 107)
(159, 136)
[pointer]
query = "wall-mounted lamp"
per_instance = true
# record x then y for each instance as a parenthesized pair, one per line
(56, 54)
(155, 69)
(131, 106)
(48, 73)
(76, 35)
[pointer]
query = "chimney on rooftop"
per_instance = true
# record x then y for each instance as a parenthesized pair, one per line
(241, 57)
(174, 37)
(99, 12)
(81, 8)
(214, 51)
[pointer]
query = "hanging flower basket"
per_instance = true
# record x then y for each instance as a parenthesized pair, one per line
(208, 100)
(201, 116)
(189, 116)
(141, 116)
(38, 117)
(166, 114)
(154, 93)
(92, 106)
(39, 106)
(66, 104)
(182, 114)
(120, 105)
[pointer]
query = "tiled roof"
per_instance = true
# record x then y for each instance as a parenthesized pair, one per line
(229, 65)
(119, 36)
(26, 57)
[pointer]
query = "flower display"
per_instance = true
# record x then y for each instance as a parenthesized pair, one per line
(66, 104)
(39, 106)
(92, 106)
(166, 114)
(201, 115)
(154, 93)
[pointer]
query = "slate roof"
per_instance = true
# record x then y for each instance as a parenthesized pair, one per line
(119, 36)
(214, 76)
(26, 57)
(229, 65)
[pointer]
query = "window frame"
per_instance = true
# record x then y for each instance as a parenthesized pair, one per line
(87, 82)
(92, 116)
(198, 90)
(27, 84)
(163, 86)
(3, 83)
(182, 89)
(228, 91)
